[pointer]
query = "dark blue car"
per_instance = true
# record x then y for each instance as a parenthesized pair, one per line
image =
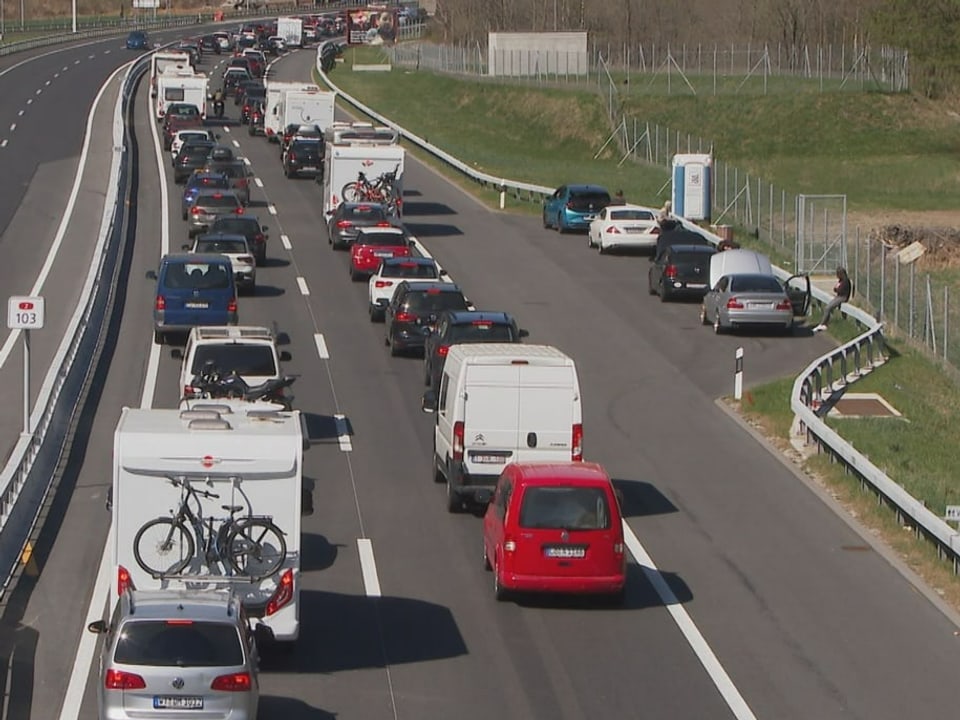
(192, 289)
(572, 207)
(137, 40)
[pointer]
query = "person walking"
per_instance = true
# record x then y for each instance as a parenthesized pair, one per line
(841, 294)
(618, 198)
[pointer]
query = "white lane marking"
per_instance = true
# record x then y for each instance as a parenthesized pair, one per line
(106, 52)
(91, 57)
(47, 83)
(226, 128)
(88, 640)
(13, 126)
(285, 241)
(272, 209)
(421, 248)
(56, 75)
(46, 54)
(236, 143)
(76, 62)
(343, 433)
(368, 566)
(304, 290)
(20, 114)
(698, 644)
(4, 143)
(67, 213)
(258, 182)
(65, 68)
(29, 101)
(321, 343)
(246, 161)
(39, 90)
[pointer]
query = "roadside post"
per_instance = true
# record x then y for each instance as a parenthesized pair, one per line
(25, 314)
(738, 375)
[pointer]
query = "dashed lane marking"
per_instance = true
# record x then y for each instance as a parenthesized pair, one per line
(368, 566)
(343, 433)
(246, 161)
(272, 209)
(47, 83)
(285, 241)
(258, 182)
(39, 90)
(322, 350)
(302, 284)
(236, 143)
(29, 101)
(4, 143)
(13, 126)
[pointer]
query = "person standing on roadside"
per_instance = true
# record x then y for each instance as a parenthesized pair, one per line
(841, 294)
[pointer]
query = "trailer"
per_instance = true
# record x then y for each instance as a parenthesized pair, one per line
(299, 107)
(237, 466)
(177, 88)
(350, 150)
(176, 62)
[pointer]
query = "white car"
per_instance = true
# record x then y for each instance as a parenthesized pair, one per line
(237, 249)
(224, 39)
(392, 272)
(624, 227)
(182, 137)
(250, 351)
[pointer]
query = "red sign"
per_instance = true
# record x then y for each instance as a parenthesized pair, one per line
(25, 306)
(208, 461)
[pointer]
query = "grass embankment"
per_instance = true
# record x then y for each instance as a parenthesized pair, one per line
(892, 152)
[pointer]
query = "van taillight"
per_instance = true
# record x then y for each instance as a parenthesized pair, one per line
(122, 680)
(283, 594)
(618, 548)
(234, 682)
(189, 391)
(576, 446)
(124, 581)
(232, 305)
(670, 271)
(458, 440)
(734, 304)
(161, 303)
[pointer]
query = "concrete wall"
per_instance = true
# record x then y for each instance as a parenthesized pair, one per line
(533, 54)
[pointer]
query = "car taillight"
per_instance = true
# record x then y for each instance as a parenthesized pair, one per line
(442, 350)
(383, 223)
(292, 155)
(189, 391)
(382, 283)
(342, 224)
(405, 317)
(576, 445)
(283, 594)
(613, 230)
(232, 305)
(458, 440)
(670, 271)
(656, 230)
(234, 682)
(258, 238)
(734, 304)
(195, 210)
(160, 303)
(784, 305)
(124, 581)
(122, 680)
(242, 182)
(238, 211)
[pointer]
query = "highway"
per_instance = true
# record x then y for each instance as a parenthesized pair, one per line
(800, 616)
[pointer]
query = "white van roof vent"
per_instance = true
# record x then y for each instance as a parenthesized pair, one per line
(204, 424)
(220, 409)
(264, 415)
(199, 414)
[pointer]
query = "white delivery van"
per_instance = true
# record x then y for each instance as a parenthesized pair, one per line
(168, 61)
(344, 163)
(291, 30)
(176, 88)
(275, 91)
(179, 475)
(502, 403)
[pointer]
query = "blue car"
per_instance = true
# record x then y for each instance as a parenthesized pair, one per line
(573, 207)
(137, 40)
(192, 289)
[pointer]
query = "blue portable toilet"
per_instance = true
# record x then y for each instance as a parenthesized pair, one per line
(691, 185)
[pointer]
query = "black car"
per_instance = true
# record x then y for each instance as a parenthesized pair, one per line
(345, 222)
(247, 225)
(232, 77)
(392, 272)
(311, 132)
(414, 310)
(245, 86)
(303, 157)
(470, 326)
(191, 157)
(210, 44)
(238, 172)
(681, 271)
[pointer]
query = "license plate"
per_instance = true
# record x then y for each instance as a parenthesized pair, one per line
(565, 552)
(634, 229)
(383, 254)
(696, 286)
(308, 167)
(760, 305)
(489, 459)
(196, 305)
(177, 702)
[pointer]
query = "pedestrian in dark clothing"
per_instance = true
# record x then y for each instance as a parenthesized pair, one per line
(618, 198)
(841, 294)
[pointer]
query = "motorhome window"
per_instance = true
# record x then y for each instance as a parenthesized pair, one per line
(173, 94)
(568, 508)
(244, 359)
(197, 644)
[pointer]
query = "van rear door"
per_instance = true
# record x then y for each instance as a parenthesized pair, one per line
(491, 414)
(547, 398)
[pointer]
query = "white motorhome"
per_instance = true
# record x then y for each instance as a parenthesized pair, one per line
(219, 459)
(291, 30)
(174, 88)
(176, 62)
(300, 107)
(275, 91)
(502, 403)
(359, 148)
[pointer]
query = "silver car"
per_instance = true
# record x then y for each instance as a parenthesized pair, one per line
(210, 204)
(747, 300)
(172, 653)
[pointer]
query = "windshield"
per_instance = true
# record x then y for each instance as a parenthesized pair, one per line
(570, 508)
(244, 359)
(179, 644)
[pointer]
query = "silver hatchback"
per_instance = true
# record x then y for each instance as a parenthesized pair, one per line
(208, 205)
(170, 653)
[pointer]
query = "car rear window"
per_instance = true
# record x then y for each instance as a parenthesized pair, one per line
(374, 213)
(231, 170)
(195, 150)
(691, 257)
(587, 199)
(410, 270)
(178, 644)
(240, 226)
(197, 276)
(381, 239)
(187, 136)
(213, 201)
(755, 283)
(207, 181)
(480, 331)
(244, 359)
(631, 215)
(569, 508)
(425, 301)
(233, 247)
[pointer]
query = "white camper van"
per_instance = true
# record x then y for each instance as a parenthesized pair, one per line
(300, 107)
(502, 403)
(176, 88)
(351, 149)
(275, 91)
(209, 497)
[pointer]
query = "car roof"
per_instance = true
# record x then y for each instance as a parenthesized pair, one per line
(586, 188)
(557, 473)
(459, 317)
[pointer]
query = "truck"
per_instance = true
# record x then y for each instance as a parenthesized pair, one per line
(168, 61)
(276, 89)
(209, 496)
(173, 87)
(351, 150)
(291, 30)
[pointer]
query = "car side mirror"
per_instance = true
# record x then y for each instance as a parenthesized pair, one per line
(524, 333)
(443, 273)
(176, 354)
(151, 275)
(186, 246)
(428, 403)
(285, 356)
(264, 228)
(98, 627)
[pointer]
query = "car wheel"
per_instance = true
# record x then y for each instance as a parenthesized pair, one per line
(546, 223)
(486, 560)
(717, 327)
(601, 249)
(354, 275)
(438, 476)
(427, 373)
(183, 216)
(560, 228)
(158, 337)
(499, 591)
(454, 500)
(651, 288)
(589, 240)
(663, 292)
(704, 320)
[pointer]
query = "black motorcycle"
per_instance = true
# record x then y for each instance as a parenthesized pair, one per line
(211, 384)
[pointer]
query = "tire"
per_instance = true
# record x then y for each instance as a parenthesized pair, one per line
(560, 228)
(255, 548)
(589, 240)
(438, 476)
(158, 337)
(354, 275)
(664, 293)
(546, 223)
(427, 373)
(703, 315)
(454, 499)
(486, 560)
(601, 249)
(351, 193)
(159, 538)
(718, 329)
(394, 350)
(499, 591)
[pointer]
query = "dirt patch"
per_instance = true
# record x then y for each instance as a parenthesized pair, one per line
(937, 230)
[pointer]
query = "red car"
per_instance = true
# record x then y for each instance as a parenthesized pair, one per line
(179, 116)
(373, 245)
(555, 527)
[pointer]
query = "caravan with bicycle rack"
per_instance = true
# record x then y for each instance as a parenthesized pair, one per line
(210, 497)
(362, 156)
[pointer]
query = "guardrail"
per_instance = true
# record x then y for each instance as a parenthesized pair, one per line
(33, 465)
(820, 382)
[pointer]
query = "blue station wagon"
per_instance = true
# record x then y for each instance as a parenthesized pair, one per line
(192, 289)
(573, 207)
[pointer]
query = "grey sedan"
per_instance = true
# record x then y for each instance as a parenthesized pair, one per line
(747, 300)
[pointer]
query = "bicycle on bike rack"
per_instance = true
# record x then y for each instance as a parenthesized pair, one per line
(250, 546)
(382, 189)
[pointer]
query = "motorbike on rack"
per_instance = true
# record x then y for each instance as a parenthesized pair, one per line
(211, 384)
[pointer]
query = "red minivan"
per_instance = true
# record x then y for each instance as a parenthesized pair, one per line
(555, 527)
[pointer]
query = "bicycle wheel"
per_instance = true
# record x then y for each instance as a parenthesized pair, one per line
(163, 547)
(353, 192)
(256, 547)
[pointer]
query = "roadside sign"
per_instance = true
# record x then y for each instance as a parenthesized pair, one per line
(25, 313)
